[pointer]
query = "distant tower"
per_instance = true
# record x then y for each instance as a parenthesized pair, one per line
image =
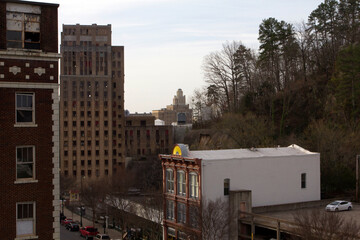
(179, 99)
(178, 112)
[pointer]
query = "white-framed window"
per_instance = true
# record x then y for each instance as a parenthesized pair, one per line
(25, 108)
(22, 27)
(25, 219)
(193, 185)
(303, 180)
(181, 183)
(170, 214)
(25, 159)
(171, 232)
(169, 180)
(181, 212)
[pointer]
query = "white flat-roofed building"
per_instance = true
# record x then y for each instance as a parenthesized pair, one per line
(244, 178)
(274, 175)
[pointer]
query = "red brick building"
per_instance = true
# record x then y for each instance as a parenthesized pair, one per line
(181, 194)
(29, 112)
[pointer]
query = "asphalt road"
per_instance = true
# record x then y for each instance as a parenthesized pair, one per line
(67, 235)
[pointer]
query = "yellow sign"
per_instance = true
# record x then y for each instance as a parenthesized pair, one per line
(177, 150)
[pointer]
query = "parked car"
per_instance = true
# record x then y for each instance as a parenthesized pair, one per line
(88, 232)
(339, 205)
(72, 226)
(66, 221)
(102, 236)
(62, 217)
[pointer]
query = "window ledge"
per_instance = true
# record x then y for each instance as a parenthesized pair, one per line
(25, 125)
(26, 181)
(27, 237)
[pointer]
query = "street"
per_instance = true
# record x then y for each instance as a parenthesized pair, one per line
(67, 235)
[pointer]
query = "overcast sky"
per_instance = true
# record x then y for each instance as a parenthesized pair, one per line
(166, 40)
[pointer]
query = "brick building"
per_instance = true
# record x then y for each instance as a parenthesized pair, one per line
(91, 102)
(29, 113)
(145, 140)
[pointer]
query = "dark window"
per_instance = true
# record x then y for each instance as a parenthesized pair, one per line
(24, 108)
(226, 186)
(303, 180)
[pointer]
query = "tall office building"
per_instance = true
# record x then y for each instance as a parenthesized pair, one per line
(29, 120)
(91, 103)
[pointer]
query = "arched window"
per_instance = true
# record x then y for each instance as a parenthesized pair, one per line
(169, 180)
(194, 185)
(181, 183)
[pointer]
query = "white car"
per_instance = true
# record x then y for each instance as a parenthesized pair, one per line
(339, 205)
(102, 236)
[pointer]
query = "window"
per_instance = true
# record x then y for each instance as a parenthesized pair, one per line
(24, 107)
(303, 180)
(181, 213)
(25, 219)
(23, 29)
(226, 186)
(25, 157)
(194, 185)
(170, 210)
(169, 180)
(181, 183)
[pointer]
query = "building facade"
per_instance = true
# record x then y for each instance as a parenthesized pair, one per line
(178, 112)
(29, 119)
(241, 178)
(144, 140)
(91, 102)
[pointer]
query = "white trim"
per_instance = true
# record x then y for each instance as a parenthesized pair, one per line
(25, 238)
(53, 86)
(56, 162)
(26, 181)
(25, 125)
(29, 54)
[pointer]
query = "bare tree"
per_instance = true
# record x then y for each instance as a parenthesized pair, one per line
(321, 225)
(66, 183)
(219, 72)
(117, 196)
(152, 211)
(93, 194)
(208, 222)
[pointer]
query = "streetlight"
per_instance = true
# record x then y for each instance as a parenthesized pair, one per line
(81, 183)
(105, 223)
(82, 211)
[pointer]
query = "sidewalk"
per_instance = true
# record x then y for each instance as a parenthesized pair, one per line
(114, 234)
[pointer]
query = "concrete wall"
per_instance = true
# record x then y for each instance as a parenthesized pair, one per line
(272, 180)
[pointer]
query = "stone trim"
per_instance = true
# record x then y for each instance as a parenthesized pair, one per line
(56, 163)
(29, 85)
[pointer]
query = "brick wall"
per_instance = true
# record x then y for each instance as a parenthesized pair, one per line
(2, 25)
(49, 29)
(41, 138)
(27, 69)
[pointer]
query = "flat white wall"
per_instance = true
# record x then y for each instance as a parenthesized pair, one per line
(272, 180)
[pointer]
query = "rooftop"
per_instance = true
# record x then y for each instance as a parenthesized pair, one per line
(292, 150)
(32, 3)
